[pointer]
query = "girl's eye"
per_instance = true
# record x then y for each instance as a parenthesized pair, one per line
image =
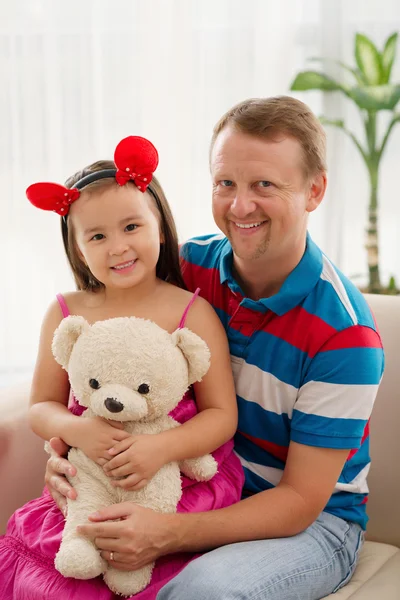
(131, 227)
(97, 237)
(264, 184)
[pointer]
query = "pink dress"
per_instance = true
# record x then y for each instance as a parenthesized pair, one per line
(33, 536)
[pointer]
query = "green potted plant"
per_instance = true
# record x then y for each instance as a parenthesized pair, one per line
(372, 91)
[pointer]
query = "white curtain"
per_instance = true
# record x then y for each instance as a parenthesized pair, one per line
(76, 77)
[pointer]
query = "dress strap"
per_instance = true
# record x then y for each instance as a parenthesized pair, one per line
(63, 305)
(185, 313)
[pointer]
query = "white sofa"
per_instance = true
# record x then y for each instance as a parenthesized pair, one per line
(377, 576)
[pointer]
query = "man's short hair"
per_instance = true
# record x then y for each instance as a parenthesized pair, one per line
(266, 118)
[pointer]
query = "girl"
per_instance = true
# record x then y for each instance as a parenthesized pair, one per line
(121, 244)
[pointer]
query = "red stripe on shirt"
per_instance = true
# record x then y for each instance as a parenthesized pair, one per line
(364, 437)
(357, 336)
(209, 282)
(301, 329)
(277, 451)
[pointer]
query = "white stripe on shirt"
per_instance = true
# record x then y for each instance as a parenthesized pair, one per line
(273, 476)
(329, 274)
(255, 385)
(336, 400)
(358, 485)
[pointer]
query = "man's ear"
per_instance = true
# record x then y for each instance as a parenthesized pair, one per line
(66, 336)
(317, 190)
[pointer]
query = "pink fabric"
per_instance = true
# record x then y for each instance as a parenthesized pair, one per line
(63, 305)
(34, 532)
(185, 312)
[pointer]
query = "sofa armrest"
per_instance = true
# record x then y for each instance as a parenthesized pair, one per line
(22, 456)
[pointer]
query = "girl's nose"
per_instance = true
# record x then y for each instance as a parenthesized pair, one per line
(118, 248)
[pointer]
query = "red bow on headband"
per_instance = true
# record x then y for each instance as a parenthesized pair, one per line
(135, 158)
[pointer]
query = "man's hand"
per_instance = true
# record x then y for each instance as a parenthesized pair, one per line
(56, 470)
(136, 539)
(138, 459)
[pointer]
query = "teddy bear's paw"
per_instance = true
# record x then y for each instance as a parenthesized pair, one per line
(201, 469)
(128, 583)
(78, 558)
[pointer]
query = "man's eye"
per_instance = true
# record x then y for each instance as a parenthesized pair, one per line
(226, 183)
(131, 227)
(264, 184)
(98, 236)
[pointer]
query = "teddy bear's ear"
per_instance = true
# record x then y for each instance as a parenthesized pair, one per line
(196, 352)
(65, 337)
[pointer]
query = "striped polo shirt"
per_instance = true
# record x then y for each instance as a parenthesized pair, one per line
(307, 364)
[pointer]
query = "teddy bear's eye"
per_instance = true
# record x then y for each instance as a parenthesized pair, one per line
(94, 384)
(143, 388)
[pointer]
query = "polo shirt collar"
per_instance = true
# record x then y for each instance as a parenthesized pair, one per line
(296, 286)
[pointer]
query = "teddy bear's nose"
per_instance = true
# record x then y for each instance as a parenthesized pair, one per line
(113, 405)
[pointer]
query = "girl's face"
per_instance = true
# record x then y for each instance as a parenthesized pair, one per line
(118, 235)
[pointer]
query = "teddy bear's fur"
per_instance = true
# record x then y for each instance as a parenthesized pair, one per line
(117, 356)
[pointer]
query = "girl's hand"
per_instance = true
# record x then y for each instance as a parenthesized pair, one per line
(139, 458)
(95, 436)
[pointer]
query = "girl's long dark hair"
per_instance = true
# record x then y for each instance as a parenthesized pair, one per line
(167, 268)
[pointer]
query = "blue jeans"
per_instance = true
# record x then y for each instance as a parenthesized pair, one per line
(307, 566)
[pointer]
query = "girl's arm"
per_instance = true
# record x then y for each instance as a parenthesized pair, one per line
(216, 421)
(48, 414)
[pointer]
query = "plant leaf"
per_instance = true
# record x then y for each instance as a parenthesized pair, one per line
(334, 122)
(355, 72)
(395, 119)
(380, 97)
(312, 80)
(388, 56)
(368, 59)
(341, 125)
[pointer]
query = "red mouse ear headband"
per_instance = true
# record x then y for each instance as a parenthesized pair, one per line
(135, 159)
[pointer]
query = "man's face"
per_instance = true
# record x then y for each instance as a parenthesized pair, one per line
(261, 198)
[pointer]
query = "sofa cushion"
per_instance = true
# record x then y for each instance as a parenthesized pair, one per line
(377, 576)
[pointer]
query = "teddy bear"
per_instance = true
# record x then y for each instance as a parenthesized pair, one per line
(130, 370)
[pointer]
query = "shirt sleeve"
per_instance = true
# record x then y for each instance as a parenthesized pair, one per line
(336, 397)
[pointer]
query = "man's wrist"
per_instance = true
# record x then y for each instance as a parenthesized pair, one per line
(178, 528)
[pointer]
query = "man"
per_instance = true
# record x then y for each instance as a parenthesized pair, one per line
(307, 362)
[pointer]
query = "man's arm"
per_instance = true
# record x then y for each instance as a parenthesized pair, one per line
(306, 486)
(138, 535)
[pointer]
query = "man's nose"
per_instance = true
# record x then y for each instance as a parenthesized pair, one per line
(243, 205)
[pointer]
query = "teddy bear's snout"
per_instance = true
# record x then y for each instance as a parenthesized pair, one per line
(113, 405)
